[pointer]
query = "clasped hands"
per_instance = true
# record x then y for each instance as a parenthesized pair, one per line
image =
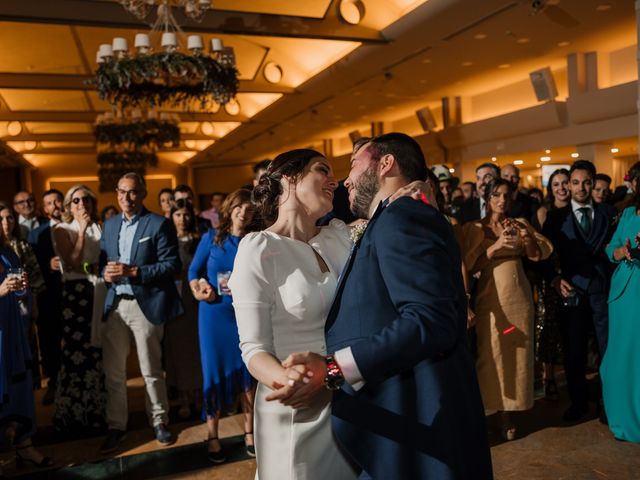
(14, 284)
(301, 380)
(624, 252)
(116, 271)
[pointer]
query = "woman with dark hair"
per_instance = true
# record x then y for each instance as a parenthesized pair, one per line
(558, 194)
(182, 355)
(619, 369)
(165, 201)
(108, 212)
(80, 396)
(284, 279)
(224, 375)
(17, 407)
(494, 247)
(547, 322)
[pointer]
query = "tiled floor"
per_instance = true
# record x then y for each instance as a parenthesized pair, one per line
(545, 450)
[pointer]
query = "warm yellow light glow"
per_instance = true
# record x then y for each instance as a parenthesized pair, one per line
(518, 162)
(494, 159)
(615, 150)
(158, 176)
(547, 151)
(207, 128)
(252, 103)
(452, 170)
(575, 155)
(545, 159)
(14, 128)
(190, 144)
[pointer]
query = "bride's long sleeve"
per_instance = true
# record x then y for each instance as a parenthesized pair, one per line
(253, 296)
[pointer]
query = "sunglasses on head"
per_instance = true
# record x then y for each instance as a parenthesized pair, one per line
(85, 199)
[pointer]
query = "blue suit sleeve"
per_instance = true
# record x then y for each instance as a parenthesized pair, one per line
(199, 261)
(420, 263)
(168, 263)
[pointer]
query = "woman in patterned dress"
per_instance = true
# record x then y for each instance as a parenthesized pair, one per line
(80, 397)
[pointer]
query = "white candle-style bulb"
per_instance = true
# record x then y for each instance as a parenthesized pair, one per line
(142, 40)
(169, 40)
(98, 57)
(194, 42)
(120, 44)
(216, 45)
(105, 51)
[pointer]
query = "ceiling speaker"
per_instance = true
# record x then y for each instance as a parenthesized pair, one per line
(425, 117)
(543, 84)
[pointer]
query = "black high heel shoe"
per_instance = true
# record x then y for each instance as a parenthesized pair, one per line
(20, 460)
(217, 456)
(251, 449)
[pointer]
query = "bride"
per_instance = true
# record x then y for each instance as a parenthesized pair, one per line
(283, 284)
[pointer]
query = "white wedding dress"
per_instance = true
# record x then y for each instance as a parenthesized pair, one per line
(281, 299)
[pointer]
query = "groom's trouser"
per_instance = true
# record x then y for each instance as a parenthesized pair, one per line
(124, 321)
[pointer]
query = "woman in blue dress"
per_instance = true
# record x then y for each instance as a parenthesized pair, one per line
(17, 407)
(620, 369)
(224, 373)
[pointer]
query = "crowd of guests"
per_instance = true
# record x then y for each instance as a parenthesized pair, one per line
(543, 276)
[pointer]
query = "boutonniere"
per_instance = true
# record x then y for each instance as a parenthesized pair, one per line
(357, 231)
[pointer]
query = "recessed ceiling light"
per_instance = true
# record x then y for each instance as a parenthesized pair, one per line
(564, 44)
(493, 159)
(615, 150)
(523, 40)
(452, 170)
(467, 64)
(504, 65)
(272, 72)
(547, 151)
(545, 159)
(518, 162)
(603, 7)
(575, 155)
(537, 165)
(480, 36)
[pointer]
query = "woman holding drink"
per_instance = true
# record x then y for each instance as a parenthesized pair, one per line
(494, 247)
(224, 374)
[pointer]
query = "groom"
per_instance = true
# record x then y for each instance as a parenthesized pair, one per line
(406, 402)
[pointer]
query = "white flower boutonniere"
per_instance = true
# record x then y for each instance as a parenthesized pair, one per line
(357, 231)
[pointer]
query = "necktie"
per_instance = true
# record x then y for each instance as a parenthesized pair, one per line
(585, 220)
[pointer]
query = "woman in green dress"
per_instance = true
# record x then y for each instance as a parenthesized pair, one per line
(620, 369)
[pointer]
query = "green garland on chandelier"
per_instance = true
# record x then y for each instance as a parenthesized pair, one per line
(138, 135)
(115, 164)
(170, 78)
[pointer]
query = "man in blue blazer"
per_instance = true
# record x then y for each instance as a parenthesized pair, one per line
(407, 403)
(141, 251)
(579, 233)
(50, 301)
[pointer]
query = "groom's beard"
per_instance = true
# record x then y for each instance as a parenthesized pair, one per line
(366, 188)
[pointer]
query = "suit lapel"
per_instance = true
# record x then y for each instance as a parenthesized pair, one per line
(142, 226)
(335, 304)
(598, 229)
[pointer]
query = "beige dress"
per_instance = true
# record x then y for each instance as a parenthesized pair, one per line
(504, 320)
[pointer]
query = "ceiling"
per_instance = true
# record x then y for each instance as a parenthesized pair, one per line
(337, 77)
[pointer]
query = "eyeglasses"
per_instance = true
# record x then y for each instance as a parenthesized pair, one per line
(130, 193)
(24, 202)
(85, 199)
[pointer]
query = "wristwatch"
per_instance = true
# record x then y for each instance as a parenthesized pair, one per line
(334, 379)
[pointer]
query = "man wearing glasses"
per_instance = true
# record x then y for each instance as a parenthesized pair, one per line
(141, 253)
(25, 206)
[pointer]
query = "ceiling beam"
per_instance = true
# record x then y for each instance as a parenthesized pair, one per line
(81, 137)
(92, 150)
(90, 116)
(113, 15)
(53, 81)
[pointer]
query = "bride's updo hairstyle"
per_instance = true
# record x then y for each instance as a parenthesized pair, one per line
(267, 193)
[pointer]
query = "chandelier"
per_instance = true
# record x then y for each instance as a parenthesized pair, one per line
(194, 9)
(129, 140)
(149, 77)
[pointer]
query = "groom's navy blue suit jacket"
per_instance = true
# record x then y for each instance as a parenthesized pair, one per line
(401, 308)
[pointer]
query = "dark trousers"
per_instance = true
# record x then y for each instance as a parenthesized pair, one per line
(576, 323)
(50, 333)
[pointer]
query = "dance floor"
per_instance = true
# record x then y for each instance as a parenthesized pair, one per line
(546, 449)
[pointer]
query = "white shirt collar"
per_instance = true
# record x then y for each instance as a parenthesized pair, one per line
(575, 205)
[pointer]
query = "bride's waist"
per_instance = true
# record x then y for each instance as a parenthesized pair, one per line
(285, 348)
